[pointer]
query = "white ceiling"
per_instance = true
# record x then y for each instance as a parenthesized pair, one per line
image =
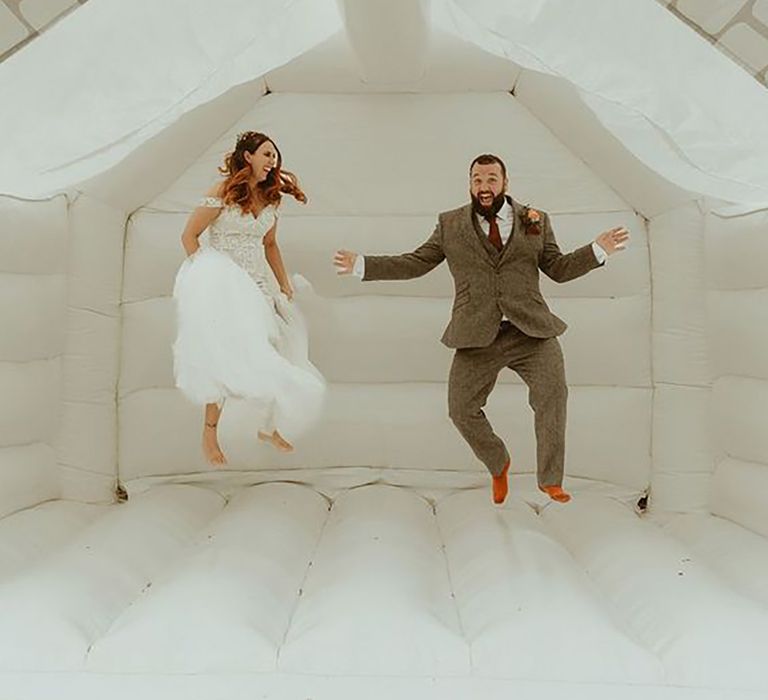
(739, 28)
(631, 123)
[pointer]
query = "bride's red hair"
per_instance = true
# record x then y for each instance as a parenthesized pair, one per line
(236, 188)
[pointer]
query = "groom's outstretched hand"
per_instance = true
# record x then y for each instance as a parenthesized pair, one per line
(613, 240)
(344, 260)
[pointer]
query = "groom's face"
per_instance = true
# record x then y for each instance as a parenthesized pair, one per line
(486, 184)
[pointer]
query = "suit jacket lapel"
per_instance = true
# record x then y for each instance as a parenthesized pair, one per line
(496, 257)
(484, 240)
(477, 236)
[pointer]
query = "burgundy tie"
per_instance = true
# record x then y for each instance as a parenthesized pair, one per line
(493, 234)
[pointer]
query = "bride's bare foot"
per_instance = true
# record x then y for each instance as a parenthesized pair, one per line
(277, 441)
(211, 448)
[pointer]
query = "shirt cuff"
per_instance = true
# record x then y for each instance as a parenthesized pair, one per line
(358, 269)
(600, 254)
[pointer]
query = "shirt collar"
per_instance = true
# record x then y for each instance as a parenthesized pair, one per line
(506, 211)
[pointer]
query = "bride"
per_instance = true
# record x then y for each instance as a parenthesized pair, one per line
(236, 337)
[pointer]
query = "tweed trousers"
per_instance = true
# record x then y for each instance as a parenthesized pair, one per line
(539, 362)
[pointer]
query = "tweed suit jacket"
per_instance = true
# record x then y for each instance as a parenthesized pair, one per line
(489, 283)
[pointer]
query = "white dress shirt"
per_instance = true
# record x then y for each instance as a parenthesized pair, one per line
(505, 218)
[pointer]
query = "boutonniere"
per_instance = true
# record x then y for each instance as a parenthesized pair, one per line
(531, 221)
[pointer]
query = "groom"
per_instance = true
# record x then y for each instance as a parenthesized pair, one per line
(495, 248)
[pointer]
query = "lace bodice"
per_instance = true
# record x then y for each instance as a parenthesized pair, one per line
(241, 237)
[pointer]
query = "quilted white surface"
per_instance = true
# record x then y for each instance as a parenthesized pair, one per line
(279, 581)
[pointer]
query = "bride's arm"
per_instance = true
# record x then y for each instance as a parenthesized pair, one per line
(198, 221)
(275, 260)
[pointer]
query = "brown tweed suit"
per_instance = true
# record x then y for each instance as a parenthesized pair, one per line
(489, 284)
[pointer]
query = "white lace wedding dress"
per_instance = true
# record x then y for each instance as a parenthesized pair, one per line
(235, 336)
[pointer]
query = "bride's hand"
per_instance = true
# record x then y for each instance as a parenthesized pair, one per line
(288, 293)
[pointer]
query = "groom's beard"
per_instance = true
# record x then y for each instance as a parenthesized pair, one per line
(492, 209)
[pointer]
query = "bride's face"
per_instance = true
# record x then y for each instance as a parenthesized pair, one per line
(262, 160)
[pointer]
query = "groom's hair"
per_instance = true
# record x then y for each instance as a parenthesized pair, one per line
(489, 159)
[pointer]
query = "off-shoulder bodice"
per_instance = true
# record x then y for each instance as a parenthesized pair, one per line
(241, 236)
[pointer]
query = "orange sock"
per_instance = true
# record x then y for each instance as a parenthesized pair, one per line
(556, 493)
(499, 485)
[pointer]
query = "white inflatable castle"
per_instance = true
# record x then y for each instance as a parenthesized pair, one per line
(371, 562)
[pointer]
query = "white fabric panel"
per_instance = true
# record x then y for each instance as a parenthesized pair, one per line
(385, 425)
(227, 606)
(682, 441)
(710, 138)
(514, 586)
(27, 537)
(741, 405)
(381, 339)
(680, 353)
(374, 27)
(92, 349)
(738, 494)
(95, 255)
(28, 474)
(452, 65)
(396, 340)
(155, 164)
(154, 252)
(736, 554)
(31, 396)
(126, 100)
(675, 607)
(358, 157)
(680, 492)
(33, 244)
(737, 248)
(53, 612)
(87, 440)
(683, 450)
(24, 302)
(86, 450)
(736, 253)
(557, 103)
(332, 481)
(34, 686)
(149, 329)
(358, 614)
(33, 236)
(738, 327)
(87, 485)
(394, 585)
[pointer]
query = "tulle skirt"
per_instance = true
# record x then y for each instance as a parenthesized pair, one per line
(233, 340)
